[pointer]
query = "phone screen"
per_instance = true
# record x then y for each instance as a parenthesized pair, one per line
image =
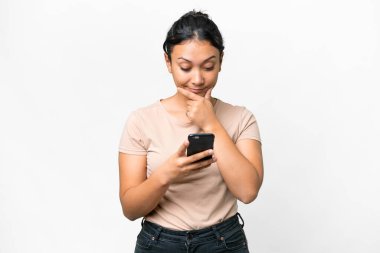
(200, 142)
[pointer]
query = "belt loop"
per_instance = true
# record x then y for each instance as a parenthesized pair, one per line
(239, 216)
(216, 232)
(142, 221)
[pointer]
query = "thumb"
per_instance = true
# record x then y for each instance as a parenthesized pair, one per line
(182, 149)
(208, 94)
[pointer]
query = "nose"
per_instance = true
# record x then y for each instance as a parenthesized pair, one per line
(197, 78)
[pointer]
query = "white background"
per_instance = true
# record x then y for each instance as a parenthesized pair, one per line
(71, 72)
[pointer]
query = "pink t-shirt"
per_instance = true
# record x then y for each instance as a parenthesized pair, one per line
(201, 199)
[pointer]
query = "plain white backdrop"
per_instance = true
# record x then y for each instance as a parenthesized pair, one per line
(72, 71)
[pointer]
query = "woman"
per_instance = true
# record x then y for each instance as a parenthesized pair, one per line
(189, 205)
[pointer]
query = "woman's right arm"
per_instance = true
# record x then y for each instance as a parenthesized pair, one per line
(140, 195)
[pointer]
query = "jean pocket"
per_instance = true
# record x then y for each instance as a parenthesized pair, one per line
(144, 241)
(234, 240)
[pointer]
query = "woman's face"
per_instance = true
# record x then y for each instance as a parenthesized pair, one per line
(194, 65)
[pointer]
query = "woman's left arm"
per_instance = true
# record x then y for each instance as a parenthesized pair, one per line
(240, 164)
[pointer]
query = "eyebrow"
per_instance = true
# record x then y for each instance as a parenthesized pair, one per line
(211, 57)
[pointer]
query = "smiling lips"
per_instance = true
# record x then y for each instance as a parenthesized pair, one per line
(196, 91)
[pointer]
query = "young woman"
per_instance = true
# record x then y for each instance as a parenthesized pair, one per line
(189, 205)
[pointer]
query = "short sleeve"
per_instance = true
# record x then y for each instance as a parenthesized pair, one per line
(132, 138)
(248, 128)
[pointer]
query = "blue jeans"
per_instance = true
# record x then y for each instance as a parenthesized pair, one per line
(227, 236)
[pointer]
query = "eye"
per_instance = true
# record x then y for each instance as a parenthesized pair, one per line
(209, 68)
(186, 69)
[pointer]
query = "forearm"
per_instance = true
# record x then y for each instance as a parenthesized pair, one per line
(240, 175)
(140, 200)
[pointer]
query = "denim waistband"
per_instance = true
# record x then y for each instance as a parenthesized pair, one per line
(218, 230)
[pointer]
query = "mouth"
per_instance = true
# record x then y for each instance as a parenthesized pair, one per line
(196, 91)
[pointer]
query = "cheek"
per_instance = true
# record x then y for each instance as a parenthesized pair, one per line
(181, 78)
(212, 77)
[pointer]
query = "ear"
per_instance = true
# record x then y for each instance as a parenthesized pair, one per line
(221, 60)
(168, 62)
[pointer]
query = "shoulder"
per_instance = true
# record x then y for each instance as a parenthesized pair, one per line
(238, 121)
(145, 111)
(232, 110)
(151, 108)
(141, 116)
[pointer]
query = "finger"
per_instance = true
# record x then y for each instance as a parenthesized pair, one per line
(208, 94)
(189, 110)
(200, 155)
(188, 94)
(182, 149)
(199, 165)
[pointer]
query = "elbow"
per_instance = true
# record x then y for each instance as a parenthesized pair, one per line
(129, 212)
(248, 197)
(129, 215)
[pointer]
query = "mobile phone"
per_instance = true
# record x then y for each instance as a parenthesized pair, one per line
(200, 142)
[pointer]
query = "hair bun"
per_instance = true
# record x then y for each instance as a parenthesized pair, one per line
(195, 13)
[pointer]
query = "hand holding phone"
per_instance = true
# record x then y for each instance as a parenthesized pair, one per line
(200, 142)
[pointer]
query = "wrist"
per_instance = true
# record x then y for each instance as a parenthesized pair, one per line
(213, 127)
(162, 180)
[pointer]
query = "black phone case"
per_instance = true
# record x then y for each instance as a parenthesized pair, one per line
(200, 142)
